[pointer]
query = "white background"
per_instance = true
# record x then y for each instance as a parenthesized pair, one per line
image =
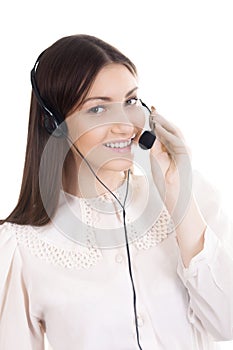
(183, 51)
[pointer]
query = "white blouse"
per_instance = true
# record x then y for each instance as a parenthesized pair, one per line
(70, 278)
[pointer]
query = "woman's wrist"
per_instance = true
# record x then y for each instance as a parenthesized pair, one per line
(190, 233)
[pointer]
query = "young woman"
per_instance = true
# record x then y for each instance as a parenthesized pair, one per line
(110, 246)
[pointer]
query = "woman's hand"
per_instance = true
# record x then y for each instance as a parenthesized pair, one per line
(171, 166)
(172, 175)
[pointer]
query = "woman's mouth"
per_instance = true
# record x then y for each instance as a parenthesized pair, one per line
(119, 146)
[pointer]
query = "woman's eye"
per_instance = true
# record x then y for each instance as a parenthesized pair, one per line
(96, 110)
(132, 101)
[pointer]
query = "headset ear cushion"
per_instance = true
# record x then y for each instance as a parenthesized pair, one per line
(53, 128)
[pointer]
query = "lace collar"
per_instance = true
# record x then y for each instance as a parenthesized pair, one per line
(89, 230)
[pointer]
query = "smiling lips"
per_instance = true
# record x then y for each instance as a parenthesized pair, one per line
(120, 145)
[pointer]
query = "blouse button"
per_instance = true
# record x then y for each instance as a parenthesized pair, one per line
(119, 258)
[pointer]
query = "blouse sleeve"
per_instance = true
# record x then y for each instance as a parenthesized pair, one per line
(209, 276)
(18, 329)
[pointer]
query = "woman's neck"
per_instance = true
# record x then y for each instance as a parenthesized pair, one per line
(81, 182)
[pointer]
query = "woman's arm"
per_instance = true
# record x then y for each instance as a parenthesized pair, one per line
(18, 328)
(205, 264)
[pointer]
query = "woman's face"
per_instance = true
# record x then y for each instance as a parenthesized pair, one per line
(110, 121)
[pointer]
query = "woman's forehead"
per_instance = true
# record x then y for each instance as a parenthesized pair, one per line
(113, 80)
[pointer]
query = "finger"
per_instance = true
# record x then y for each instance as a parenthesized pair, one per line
(158, 147)
(158, 119)
(173, 143)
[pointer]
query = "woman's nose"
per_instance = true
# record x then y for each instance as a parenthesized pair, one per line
(122, 127)
(122, 122)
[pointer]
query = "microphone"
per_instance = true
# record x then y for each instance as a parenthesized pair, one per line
(147, 139)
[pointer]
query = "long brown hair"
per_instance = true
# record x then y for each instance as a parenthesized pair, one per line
(64, 76)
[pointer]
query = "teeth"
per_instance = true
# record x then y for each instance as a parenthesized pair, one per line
(118, 144)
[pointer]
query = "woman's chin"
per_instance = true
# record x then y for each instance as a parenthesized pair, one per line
(118, 164)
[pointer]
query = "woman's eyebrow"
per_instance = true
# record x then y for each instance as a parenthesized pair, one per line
(105, 98)
(131, 91)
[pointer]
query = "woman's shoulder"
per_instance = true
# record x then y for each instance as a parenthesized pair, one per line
(14, 232)
(8, 233)
(17, 238)
(11, 234)
(46, 244)
(9, 252)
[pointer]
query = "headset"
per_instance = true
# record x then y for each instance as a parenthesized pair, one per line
(55, 125)
(53, 121)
